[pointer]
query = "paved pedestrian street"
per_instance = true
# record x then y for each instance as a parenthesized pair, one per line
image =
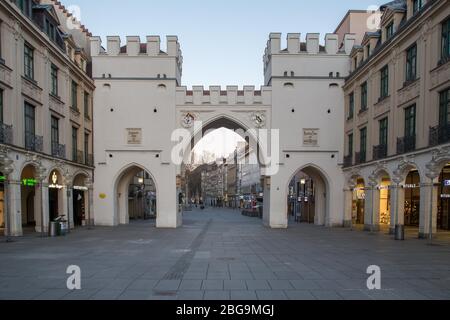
(218, 255)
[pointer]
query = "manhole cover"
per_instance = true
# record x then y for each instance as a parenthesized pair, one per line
(226, 259)
(165, 293)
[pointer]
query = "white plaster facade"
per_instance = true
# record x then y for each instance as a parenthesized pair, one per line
(139, 88)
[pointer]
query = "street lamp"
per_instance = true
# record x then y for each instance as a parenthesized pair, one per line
(7, 169)
(41, 173)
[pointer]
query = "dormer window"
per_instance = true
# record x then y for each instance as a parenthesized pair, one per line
(390, 30)
(417, 5)
(50, 30)
(25, 6)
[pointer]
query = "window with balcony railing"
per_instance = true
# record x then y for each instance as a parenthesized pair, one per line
(445, 40)
(74, 144)
(408, 142)
(381, 151)
(441, 133)
(348, 160)
(32, 141)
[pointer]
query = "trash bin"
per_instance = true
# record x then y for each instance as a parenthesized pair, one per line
(399, 232)
(54, 229)
(63, 228)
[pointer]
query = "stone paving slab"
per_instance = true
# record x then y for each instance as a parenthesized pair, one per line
(219, 254)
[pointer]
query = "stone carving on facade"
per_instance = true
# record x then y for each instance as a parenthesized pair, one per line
(440, 157)
(379, 171)
(405, 165)
(258, 119)
(17, 31)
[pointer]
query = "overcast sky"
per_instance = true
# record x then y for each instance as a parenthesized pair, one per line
(222, 41)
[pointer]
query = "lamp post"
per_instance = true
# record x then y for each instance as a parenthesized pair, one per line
(7, 169)
(42, 176)
(431, 175)
(89, 184)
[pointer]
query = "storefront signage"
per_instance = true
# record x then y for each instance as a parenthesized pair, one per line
(29, 182)
(445, 196)
(446, 183)
(102, 196)
(311, 137)
(2, 178)
(410, 186)
(55, 184)
(134, 136)
(80, 188)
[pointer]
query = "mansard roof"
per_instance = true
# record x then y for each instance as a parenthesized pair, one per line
(50, 10)
(396, 5)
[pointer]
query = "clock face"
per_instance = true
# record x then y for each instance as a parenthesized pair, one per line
(259, 119)
(188, 120)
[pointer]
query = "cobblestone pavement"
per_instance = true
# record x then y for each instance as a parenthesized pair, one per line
(219, 255)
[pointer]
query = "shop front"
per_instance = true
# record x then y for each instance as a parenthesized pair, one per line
(359, 201)
(443, 218)
(412, 199)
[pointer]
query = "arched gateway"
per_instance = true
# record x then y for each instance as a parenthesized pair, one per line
(148, 122)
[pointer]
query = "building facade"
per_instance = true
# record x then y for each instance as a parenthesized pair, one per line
(397, 120)
(46, 128)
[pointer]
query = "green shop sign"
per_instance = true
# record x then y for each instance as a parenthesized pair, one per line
(29, 182)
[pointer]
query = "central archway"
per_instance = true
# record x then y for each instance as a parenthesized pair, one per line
(237, 174)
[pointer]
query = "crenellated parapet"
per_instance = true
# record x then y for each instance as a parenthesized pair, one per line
(215, 95)
(134, 46)
(140, 59)
(311, 45)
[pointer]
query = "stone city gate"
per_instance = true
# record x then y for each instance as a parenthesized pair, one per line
(142, 111)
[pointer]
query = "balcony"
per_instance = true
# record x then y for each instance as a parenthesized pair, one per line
(89, 160)
(6, 134)
(348, 161)
(33, 142)
(360, 158)
(439, 135)
(58, 150)
(406, 144)
(380, 152)
(78, 157)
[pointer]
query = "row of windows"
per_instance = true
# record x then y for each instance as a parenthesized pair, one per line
(410, 120)
(412, 52)
(411, 75)
(29, 73)
(30, 132)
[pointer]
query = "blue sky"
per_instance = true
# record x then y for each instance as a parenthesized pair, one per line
(222, 41)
